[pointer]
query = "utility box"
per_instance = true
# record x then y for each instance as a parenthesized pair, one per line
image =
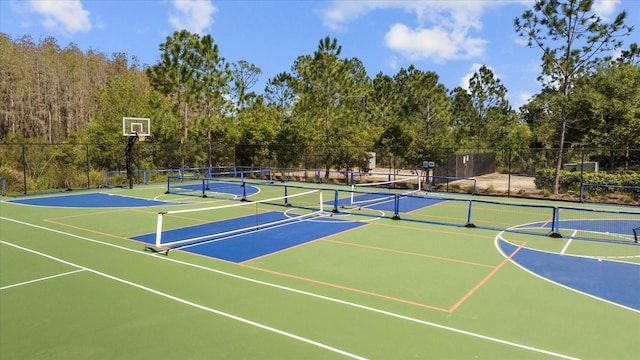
(372, 160)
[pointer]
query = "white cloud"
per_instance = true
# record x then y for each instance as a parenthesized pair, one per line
(435, 43)
(474, 68)
(523, 98)
(605, 8)
(392, 62)
(343, 11)
(462, 11)
(443, 31)
(464, 81)
(66, 16)
(192, 15)
(520, 40)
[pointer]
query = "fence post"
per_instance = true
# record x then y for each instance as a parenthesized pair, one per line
(88, 171)
(24, 168)
(509, 175)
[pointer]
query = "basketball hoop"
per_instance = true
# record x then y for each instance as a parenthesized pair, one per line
(142, 136)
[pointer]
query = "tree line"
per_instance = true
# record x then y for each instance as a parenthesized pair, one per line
(327, 102)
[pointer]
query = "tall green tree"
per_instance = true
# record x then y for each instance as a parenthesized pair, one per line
(244, 77)
(424, 108)
(464, 118)
(194, 77)
(571, 37)
(330, 92)
(488, 97)
(607, 104)
(289, 147)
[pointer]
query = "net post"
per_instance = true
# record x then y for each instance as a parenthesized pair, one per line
(582, 193)
(321, 203)
(286, 199)
(159, 229)
(335, 203)
(396, 207)
(635, 234)
(244, 191)
(204, 190)
(555, 233)
(469, 224)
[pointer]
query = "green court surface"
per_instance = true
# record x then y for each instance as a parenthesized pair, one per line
(75, 285)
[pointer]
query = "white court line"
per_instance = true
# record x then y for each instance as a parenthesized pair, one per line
(568, 242)
(302, 292)
(41, 279)
(187, 302)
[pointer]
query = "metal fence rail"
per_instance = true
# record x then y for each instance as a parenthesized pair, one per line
(32, 168)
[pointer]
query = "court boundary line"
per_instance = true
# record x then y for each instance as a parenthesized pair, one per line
(189, 303)
(307, 293)
(40, 279)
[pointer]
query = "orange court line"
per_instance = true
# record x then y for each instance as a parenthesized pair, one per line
(409, 253)
(346, 288)
(89, 214)
(87, 230)
(485, 279)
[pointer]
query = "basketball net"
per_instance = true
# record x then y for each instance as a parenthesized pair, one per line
(142, 136)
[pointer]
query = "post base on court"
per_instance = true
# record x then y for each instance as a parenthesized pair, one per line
(155, 250)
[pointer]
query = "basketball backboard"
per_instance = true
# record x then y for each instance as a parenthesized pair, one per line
(134, 126)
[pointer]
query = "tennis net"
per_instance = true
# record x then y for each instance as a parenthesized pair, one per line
(179, 228)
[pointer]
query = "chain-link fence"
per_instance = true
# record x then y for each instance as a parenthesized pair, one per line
(31, 168)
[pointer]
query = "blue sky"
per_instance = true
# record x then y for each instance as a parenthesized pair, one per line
(452, 38)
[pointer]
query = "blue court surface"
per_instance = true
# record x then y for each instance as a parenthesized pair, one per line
(90, 200)
(613, 281)
(259, 242)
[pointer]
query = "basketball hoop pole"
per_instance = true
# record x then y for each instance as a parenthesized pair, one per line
(135, 128)
(127, 150)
